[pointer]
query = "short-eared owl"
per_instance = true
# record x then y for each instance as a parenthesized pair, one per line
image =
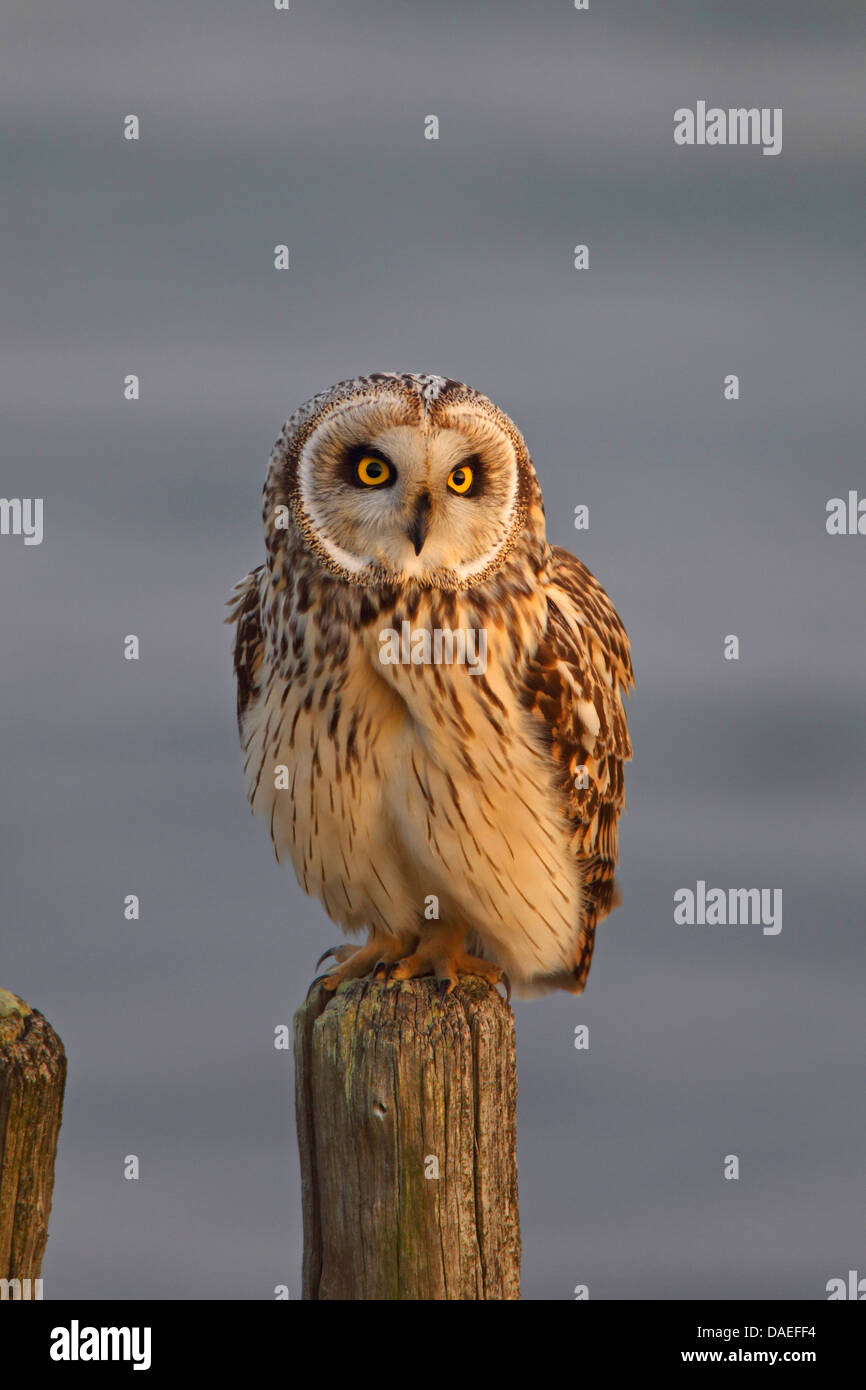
(429, 694)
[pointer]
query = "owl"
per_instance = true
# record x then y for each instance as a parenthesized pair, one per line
(430, 695)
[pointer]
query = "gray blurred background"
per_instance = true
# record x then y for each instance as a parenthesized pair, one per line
(706, 518)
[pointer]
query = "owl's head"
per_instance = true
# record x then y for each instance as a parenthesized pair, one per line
(395, 477)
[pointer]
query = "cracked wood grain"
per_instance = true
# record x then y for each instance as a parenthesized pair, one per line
(32, 1080)
(391, 1086)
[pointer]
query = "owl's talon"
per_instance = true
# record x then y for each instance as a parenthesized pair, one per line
(318, 980)
(445, 987)
(361, 962)
(507, 983)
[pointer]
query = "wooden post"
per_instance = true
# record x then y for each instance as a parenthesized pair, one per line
(406, 1111)
(32, 1078)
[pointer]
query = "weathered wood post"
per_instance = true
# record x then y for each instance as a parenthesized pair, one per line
(32, 1079)
(406, 1110)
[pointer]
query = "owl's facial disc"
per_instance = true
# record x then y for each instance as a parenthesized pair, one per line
(431, 502)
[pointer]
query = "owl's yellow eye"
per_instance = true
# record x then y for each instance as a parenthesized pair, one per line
(372, 471)
(460, 479)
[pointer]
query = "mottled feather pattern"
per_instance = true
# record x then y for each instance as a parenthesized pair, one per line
(245, 613)
(414, 780)
(576, 684)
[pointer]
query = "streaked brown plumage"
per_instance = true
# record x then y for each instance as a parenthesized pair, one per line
(406, 783)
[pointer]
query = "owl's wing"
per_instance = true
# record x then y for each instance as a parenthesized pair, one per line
(245, 613)
(575, 686)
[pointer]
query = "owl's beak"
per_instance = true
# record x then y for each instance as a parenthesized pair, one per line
(417, 532)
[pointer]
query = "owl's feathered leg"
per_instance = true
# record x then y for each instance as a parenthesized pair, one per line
(442, 952)
(353, 962)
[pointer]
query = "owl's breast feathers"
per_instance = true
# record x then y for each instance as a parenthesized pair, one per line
(500, 791)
